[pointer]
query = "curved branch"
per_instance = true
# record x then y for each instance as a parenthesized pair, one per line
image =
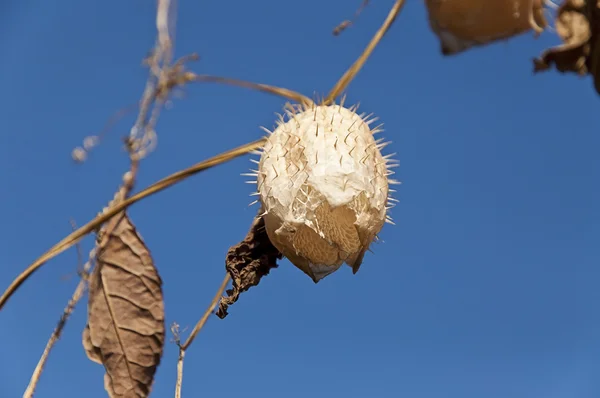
(279, 91)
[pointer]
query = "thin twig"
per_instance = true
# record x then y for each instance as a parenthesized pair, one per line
(207, 313)
(165, 43)
(76, 296)
(183, 347)
(179, 381)
(347, 23)
(359, 63)
(116, 117)
(279, 91)
(80, 154)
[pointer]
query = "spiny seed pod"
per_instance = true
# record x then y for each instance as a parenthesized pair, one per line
(323, 187)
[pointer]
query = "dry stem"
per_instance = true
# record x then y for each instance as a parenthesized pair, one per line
(179, 381)
(92, 225)
(83, 271)
(77, 294)
(358, 64)
(282, 92)
(183, 347)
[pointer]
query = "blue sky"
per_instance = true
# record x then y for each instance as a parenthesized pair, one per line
(486, 287)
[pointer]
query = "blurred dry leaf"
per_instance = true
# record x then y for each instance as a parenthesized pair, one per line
(247, 262)
(345, 24)
(578, 25)
(341, 27)
(125, 330)
(463, 24)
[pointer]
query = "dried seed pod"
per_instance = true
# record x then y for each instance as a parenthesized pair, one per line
(323, 187)
(462, 24)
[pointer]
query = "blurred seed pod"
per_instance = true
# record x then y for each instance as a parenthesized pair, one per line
(463, 24)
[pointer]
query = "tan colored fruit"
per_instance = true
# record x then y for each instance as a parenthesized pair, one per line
(323, 187)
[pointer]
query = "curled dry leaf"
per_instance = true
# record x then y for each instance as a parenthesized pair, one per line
(578, 25)
(125, 330)
(463, 24)
(247, 262)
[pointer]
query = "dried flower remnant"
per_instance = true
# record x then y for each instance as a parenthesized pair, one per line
(323, 187)
(463, 24)
(247, 262)
(578, 26)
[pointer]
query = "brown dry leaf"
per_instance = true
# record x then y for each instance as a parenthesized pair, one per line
(247, 262)
(578, 25)
(125, 330)
(463, 24)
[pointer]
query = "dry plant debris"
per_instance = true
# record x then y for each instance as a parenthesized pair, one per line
(125, 330)
(322, 184)
(463, 24)
(578, 25)
(163, 78)
(151, 94)
(349, 22)
(247, 262)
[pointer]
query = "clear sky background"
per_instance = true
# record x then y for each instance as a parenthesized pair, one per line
(487, 287)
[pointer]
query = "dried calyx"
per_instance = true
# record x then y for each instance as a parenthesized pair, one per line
(247, 263)
(323, 187)
(578, 25)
